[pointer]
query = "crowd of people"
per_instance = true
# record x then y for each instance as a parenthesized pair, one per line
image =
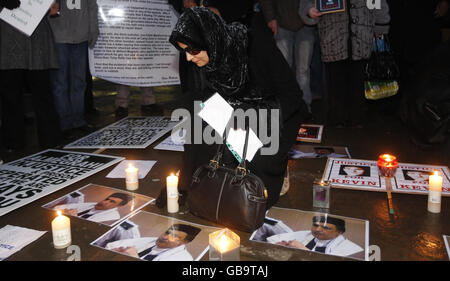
(250, 49)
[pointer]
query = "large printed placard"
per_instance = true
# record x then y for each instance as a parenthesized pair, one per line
(130, 132)
(27, 17)
(133, 46)
(363, 174)
(30, 178)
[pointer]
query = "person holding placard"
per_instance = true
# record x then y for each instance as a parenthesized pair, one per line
(239, 64)
(27, 61)
(346, 41)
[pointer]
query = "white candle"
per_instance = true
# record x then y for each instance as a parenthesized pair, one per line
(435, 192)
(131, 177)
(172, 193)
(61, 231)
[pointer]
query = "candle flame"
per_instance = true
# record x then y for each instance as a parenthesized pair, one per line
(224, 243)
(130, 165)
(436, 173)
(172, 175)
(59, 213)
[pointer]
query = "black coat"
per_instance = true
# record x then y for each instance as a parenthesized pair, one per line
(269, 75)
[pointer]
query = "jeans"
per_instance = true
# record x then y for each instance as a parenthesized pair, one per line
(69, 84)
(297, 48)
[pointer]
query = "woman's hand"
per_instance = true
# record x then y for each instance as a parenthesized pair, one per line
(314, 13)
(54, 9)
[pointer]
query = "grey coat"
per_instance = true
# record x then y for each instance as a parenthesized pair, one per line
(76, 24)
(334, 29)
(18, 51)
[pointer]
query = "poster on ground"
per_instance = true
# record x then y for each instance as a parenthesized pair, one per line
(35, 176)
(310, 133)
(28, 16)
(153, 237)
(300, 151)
(364, 175)
(314, 231)
(133, 45)
(102, 204)
(129, 133)
(447, 241)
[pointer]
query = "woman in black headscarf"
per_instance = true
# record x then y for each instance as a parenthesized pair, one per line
(238, 64)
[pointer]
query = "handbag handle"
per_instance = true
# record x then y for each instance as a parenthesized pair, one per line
(241, 169)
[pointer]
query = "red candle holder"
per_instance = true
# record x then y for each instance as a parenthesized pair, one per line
(387, 165)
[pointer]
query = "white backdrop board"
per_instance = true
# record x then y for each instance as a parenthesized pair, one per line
(133, 45)
(35, 176)
(363, 175)
(130, 132)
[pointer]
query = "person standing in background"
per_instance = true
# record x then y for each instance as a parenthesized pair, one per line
(295, 39)
(27, 61)
(75, 29)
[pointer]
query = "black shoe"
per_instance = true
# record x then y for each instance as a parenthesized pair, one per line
(121, 112)
(151, 109)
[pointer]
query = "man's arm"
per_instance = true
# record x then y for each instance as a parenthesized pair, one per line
(93, 23)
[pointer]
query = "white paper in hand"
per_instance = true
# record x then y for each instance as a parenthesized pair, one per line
(236, 139)
(216, 112)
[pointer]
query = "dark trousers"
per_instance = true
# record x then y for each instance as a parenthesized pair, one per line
(345, 85)
(13, 119)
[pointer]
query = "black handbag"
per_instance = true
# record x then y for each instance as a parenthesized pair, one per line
(232, 197)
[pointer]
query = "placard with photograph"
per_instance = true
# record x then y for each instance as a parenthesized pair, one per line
(330, 6)
(299, 151)
(314, 231)
(102, 204)
(310, 133)
(35, 176)
(364, 175)
(153, 237)
(447, 243)
(128, 133)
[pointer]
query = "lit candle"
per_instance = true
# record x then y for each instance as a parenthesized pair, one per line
(131, 177)
(434, 193)
(224, 246)
(61, 231)
(321, 194)
(387, 165)
(172, 193)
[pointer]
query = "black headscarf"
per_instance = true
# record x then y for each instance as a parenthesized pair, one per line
(226, 46)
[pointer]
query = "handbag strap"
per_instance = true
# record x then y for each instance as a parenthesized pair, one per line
(241, 169)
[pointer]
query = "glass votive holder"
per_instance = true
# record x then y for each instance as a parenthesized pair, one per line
(224, 245)
(321, 194)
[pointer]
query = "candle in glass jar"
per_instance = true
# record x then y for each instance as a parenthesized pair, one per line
(172, 193)
(224, 246)
(387, 165)
(434, 193)
(131, 177)
(61, 231)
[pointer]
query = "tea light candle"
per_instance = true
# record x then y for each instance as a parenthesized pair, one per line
(131, 177)
(224, 246)
(172, 193)
(321, 194)
(61, 231)
(434, 193)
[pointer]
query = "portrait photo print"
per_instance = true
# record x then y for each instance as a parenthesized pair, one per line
(102, 204)
(314, 231)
